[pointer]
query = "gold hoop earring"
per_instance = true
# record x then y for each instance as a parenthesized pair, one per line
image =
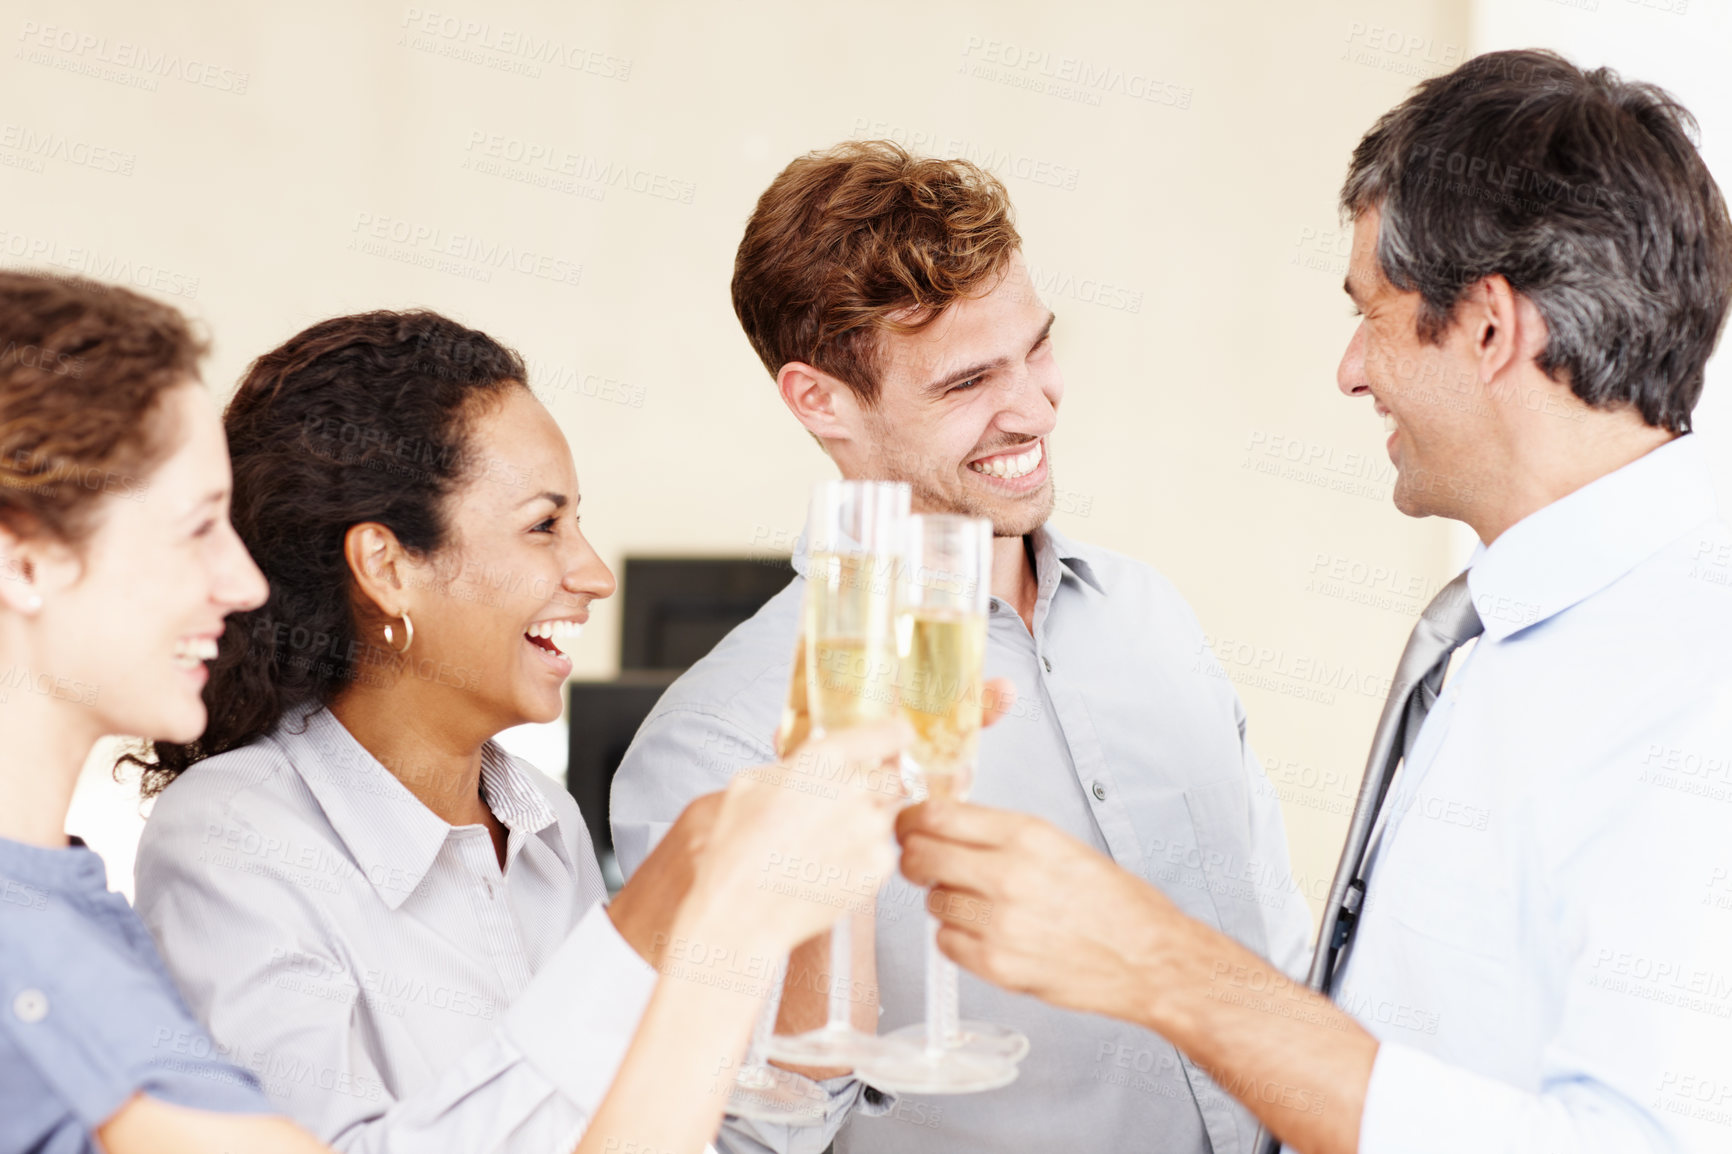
(408, 636)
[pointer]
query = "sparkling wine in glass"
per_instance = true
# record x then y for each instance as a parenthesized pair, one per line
(941, 650)
(854, 536)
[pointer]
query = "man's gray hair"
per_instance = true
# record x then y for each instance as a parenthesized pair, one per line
(1585, 192)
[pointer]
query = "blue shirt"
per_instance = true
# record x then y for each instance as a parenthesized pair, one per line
(1127, 735)
(1546, 949)
(88, 1015)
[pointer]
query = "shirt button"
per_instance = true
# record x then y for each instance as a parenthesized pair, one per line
(488, 886)
(1047, 661)
(1100, 792)
(992, 607)
(30, 1006)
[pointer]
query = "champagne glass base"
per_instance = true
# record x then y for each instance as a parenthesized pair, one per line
(765, 1093)
(989, 1041)
(914, 1069)
(825, 1046)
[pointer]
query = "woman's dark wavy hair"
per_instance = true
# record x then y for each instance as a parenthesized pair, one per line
(360, 418)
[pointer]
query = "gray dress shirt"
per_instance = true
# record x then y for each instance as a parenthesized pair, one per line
(390, 986)
(1126, 735)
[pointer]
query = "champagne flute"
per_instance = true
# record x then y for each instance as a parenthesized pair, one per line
(769, 1093)
(854, 533)
(761, 1091)
(941, 646)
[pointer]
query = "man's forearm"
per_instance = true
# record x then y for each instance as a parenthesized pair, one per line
(1290, 1055)
(1034, 910)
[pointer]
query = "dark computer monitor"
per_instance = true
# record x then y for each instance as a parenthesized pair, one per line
(603, 717)
(674, 610)
(677, 608)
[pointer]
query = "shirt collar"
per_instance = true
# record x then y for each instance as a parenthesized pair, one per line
(1049, 546)
(1581, 543)
(514, 799)
(392, 836)
(1056, 546)
(72, 868)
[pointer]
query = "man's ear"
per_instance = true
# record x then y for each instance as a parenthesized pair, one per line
(826, 406)
(1507, 329)
(378, 562)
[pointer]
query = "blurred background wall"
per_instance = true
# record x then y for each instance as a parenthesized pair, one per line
(573, 179)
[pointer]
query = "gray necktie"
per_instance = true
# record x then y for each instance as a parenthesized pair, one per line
(1447, 624)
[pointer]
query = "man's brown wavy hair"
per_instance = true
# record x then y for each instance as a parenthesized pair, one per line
(862, 239)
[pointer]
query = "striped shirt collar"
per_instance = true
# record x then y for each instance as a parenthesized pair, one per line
(393, 837)
(514, 799)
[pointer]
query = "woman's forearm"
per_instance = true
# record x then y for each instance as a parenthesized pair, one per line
(149, 1126)
(672, 1088)
(734, 928)
(806, 993)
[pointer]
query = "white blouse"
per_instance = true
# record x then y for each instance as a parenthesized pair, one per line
(392, 988)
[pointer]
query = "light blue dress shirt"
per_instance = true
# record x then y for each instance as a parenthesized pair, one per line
(88, 1016)
(1546, 949)
(1126, 735)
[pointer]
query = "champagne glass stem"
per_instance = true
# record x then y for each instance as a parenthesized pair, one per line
(943, 1012)
(841, 972)
(766, 1023)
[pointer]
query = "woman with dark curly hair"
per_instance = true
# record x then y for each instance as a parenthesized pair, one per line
(397, 925)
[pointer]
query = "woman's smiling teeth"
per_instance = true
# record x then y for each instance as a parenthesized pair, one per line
(1010, 468)
(191, 652)
(554, 635)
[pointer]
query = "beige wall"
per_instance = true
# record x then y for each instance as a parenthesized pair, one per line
(1175, 183)
(1679, 44)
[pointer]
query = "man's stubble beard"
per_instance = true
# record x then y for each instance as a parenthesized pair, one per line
(1019, 519)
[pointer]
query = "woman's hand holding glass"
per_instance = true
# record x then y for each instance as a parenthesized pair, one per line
(800, 841)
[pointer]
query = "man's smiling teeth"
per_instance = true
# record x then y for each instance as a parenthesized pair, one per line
(1010, 468)
(558, 633)
(191, 652)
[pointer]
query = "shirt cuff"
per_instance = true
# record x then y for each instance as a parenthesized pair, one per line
(874, 1103)
(576, 1019)
(846, 1094)
(1417, 1104)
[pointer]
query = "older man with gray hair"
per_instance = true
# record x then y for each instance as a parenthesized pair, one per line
(1528, 943)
